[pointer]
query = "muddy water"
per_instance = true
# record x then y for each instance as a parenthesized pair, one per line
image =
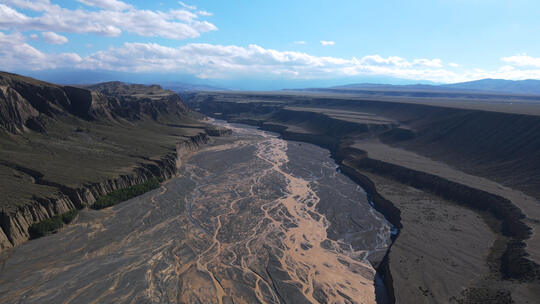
(250, 219)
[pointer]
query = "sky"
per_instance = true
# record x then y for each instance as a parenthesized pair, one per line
(267, 44)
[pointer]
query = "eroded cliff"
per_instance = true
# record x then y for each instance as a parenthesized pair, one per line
(29, 103)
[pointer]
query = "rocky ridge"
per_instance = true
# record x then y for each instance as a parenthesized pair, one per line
(26, 104)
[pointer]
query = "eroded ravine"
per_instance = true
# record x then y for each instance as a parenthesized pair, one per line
(250, 219)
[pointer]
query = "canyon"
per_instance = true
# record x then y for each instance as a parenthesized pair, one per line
(247, 219)
(457, 177)
(288, 197)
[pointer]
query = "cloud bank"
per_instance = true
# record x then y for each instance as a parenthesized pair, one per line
(227, 61)
(112, 18)
(522, 60)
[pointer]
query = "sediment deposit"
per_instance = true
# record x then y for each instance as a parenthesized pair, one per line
(249, 219)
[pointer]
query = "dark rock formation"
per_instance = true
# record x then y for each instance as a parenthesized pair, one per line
(24, 101)
(15, 111)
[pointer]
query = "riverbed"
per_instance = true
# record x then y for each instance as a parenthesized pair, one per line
(250, 218)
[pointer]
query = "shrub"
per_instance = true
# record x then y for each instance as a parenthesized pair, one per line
(52, 224)
(69, 216)
(121, 195)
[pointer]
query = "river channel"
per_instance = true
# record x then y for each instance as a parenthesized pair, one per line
(250, 218)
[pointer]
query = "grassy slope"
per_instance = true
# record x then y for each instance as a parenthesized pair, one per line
(74, 152)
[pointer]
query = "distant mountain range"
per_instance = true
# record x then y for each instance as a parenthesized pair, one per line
(173, 82)
(187, 83)
(528, 87)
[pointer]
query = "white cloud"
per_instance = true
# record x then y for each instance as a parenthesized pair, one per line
(53, 38)
(113, 18)
(114, 5)
(34, 36)
(184, 5)
(15, 53)
(35, 5)
(454, 65)
(204, 13)
(10, 17)
(433, 63)
(522, 60)
(213, 61)
(377, 60)
(300, 42)
(327, 43)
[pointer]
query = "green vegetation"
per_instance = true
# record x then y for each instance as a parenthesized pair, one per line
(121, 195)
(52, 225)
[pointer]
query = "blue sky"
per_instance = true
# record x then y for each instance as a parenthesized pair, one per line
(280, 42)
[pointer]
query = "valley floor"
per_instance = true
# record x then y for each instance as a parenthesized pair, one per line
(249, 219)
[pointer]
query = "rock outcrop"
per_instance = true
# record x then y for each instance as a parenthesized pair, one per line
(218, 131)
(15, 111)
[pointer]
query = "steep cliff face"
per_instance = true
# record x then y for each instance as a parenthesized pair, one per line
(23, 100)
(46, 98)
(15, 111)
(135, 101)
(90, 104)
(501, 146)
(14, 225)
